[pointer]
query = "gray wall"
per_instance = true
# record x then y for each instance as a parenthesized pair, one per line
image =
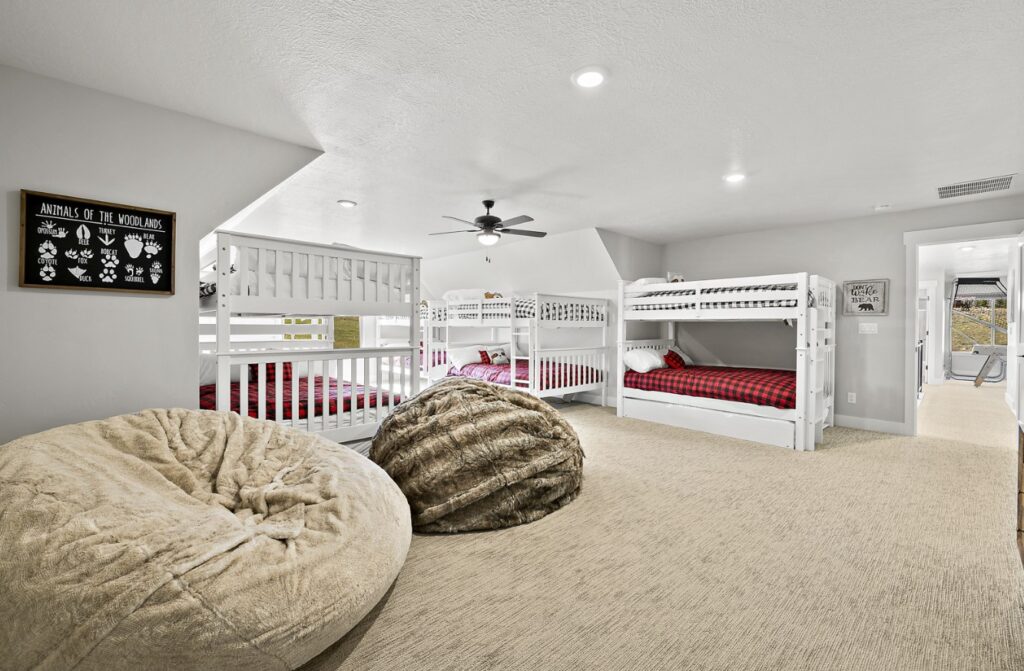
(74, 355)
(865, 248)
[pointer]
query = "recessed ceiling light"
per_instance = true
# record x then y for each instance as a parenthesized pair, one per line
(968, 248)
(882, 207)
(735, 177)
(589, 77)
(347, 203)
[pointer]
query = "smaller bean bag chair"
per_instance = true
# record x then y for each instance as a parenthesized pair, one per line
(470, 455)
(181, 539)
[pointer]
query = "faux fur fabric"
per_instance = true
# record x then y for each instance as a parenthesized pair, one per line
(178, 539)
(470, 456)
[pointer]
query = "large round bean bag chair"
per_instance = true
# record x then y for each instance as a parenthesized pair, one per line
(179, 539)
(471, 455)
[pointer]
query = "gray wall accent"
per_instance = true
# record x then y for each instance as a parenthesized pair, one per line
(864, 248)
(69, 356)
(633, 258)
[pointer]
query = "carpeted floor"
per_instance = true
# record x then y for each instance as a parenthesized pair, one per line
(692, 551)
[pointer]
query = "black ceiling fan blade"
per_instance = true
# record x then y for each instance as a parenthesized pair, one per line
(532, 234)
(445, 216)
(450, 232)
(515, 221)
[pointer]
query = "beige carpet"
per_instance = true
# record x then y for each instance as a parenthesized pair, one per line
(691, 551)
(960, 411)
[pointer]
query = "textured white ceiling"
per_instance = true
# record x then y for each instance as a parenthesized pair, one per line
(952, 259)
(425, 108)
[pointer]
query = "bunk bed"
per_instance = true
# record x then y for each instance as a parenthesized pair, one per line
(271, 334)
(522, 327)
(778, 407)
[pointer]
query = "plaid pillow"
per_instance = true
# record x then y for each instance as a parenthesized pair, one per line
(485, 358)
(674, 360)
(254, 371)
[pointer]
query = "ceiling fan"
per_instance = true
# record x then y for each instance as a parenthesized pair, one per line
(489, 228)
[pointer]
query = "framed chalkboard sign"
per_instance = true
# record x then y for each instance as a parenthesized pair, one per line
(76, 243)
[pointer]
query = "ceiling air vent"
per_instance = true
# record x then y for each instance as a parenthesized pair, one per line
(975, 187)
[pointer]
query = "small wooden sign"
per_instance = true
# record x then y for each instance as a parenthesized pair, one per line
(866, 297)
(77, 243)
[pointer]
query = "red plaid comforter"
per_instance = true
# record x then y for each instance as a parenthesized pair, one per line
(208, 397)
(758, 386)
(551, 376)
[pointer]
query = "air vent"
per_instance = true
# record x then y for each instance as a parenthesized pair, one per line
(975, 187)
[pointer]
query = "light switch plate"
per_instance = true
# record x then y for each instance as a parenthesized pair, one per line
(867, 328)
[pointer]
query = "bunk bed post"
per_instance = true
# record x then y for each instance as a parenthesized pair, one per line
(223, 321)
(414, 326)
(803, 412)
(532, 385)
(620, 310)
(604, 360)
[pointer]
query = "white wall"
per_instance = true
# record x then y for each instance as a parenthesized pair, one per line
(633, 258)
(865, 248)
(69, 356)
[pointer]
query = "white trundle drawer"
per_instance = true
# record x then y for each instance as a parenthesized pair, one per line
(746, 427)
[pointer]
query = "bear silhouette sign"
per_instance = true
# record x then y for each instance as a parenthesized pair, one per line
(866, 297)
(77, 243)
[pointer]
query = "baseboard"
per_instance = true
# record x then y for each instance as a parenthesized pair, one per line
(869, 424)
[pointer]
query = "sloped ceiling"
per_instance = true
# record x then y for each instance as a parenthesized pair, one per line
(425, 108)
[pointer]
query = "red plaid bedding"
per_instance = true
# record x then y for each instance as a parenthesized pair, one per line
(758, 386)
(552, 376)
(208, 397)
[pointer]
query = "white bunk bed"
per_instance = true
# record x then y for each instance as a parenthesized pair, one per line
(808, 301)
(549, 371)
(265, 285)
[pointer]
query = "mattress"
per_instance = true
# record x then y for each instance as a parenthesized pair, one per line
(552, 376)
(757, 386)
(716, 298)
(351, 396)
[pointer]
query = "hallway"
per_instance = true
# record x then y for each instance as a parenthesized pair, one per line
(958, 411)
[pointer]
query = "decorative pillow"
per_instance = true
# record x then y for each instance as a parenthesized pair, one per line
(674, 360)
(485, 358)
(643, 360)
(464, 356)
(499, 358)
(687, 359)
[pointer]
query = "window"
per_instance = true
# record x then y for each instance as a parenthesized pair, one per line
(978, 314)
(346, 332)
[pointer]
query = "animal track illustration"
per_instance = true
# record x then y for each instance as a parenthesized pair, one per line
(61, 233)
(71, 254)
(47, 250)
(133, 245)
(152, 247)
(110, 261)
(47, 273)
(134, 270)
(155, 271)
(85, 255)
(107, 275)
(77, 271)
(48, 225)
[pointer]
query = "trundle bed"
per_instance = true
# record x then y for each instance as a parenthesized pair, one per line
(789, 408)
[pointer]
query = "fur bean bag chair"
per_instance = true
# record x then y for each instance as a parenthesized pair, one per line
(180, 539)
(471, 455)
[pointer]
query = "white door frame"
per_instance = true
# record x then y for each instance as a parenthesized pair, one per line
(912, 241)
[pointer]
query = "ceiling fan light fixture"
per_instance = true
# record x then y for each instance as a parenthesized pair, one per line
(488, 238)
(735, 177)
(347, 203)
(589, 77)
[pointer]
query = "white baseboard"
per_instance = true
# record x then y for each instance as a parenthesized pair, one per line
(869, 424)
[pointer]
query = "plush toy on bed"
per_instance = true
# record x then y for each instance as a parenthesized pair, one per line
(470, 456)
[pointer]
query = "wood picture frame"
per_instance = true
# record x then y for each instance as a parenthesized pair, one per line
(866, 298)
(82, 244)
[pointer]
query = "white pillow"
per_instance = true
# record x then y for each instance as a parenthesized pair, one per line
(463, 356)
(644, 360)
(644, 281)
(463, 295)
(208, 370)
